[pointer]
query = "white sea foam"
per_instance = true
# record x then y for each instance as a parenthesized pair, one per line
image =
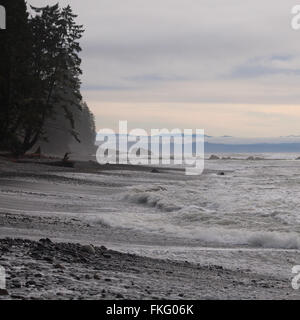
(255, 204)
(156, 196)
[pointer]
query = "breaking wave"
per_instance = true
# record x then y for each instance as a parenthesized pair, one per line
(274, 240)
(225, 237)
(155, 196)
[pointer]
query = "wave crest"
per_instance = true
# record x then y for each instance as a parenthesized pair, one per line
(155, 196)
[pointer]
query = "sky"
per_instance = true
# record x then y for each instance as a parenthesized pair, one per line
(228, 67)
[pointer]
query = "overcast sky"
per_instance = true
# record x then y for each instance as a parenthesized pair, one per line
(229, 67)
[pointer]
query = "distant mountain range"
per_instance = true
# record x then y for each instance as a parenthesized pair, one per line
(252, 148)
(252, 145)
(229, 144)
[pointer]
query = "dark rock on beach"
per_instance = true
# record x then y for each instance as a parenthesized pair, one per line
(122, 276)
(214, 157)
(3, 292)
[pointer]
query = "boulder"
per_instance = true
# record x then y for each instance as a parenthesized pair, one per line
(88, 249)
(214, 157)
(3, 292)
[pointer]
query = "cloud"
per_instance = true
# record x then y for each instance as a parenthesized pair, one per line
(262, 66)
(106, 88)
(233, 120)
(188, 51)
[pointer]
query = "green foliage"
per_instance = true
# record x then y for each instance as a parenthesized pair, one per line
(39, 72)
(15, 80)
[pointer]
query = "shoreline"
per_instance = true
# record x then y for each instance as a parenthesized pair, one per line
(209, 273)
(48, 270)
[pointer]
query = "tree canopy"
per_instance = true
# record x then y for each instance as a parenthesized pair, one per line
(40, 71)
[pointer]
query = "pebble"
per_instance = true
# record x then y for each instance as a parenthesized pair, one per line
(3, 292)
(48, 259)
(88, 249)
(30, 283)
(38, 275)
(46, 241)
(16, 284)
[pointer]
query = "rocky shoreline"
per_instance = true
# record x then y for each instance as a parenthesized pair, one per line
(39, 201)
(43, 269)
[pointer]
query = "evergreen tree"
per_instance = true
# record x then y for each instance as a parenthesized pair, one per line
(40, 79)
(86, 128)
(57, 66)
(39, 72)
(61, 140)
(15, 71)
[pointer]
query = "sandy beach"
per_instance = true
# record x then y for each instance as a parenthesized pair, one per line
(50, 252)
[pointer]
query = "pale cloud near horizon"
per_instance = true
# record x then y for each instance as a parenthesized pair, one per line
(226, 66)
(219, 117)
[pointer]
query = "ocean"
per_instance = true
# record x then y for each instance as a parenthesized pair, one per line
(254, 204)
(253, 207)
